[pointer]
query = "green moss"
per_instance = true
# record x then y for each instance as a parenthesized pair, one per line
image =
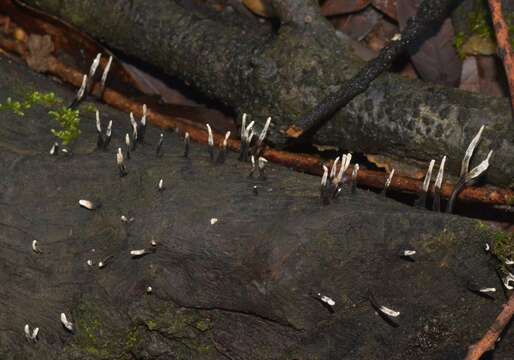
(502, 243)
(68, 119)
(97, 339)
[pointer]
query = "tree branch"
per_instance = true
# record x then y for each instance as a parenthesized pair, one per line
(286, 74)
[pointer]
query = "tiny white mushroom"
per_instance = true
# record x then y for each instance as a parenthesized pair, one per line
(479, 169)
(54, 149)
(35, 247)
(98, 124)
(90, 205)
(106, 71)
(89, 262)
(507, 280)
(27, 332)
(210, 139)
(137, 253)
(264, 131)
(82, 89)
(214, 221)
(408, 252)
(35, 333)
(440, 174)
(389, 179)
(509, 262)
(326, 300)
(389, 311)
(469, 152)
(428, 176)
(397, 37)
(487, 290)
(487, 247)
(66, 323)
(149, 290)
(161, 185)
(324, 178)
(153, 242)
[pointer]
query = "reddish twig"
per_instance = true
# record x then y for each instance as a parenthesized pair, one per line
(488, 341)
(307, 163)
(501, 30)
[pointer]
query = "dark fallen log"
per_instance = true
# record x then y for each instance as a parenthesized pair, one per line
(286, 74)
(243, 288)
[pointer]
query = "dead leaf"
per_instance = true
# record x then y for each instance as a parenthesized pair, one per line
(40, 50)
(260, 7)
(478, 45)
(469, 79)
(387, 7)
(340, 7)
(435, 59)
(360, 24)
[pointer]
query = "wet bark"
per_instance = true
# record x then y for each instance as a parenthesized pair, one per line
(237, 289)
(287, 73)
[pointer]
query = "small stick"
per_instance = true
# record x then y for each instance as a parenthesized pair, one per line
(501, 29)
(488, 341)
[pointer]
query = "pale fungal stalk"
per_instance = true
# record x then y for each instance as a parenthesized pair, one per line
(142, 128)
(134, 130)
(68, 325)
(100, 140)
(261, 163)
(246, 138)
(90, 205)
(108, 133)
(121, 163)
(138, 253)
(324, 188)
(31, 336)
(35, 247)
(388, 182)
(469, 152)
(355, 173)
(468, 178)
(160, 186)
(104, 76)
(210, 142)
(422, 197)
(158, 152)
(127, 145)
(262, 136)
(436, 206)
(186, 145)
(213, 221)
(80, 93)
(54, 150)
(389, 311)
(223, 151)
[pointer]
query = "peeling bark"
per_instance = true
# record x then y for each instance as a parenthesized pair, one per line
(286, 74)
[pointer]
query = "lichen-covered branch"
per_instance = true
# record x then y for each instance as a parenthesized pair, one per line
(285, 74)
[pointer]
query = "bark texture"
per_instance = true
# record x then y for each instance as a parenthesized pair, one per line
(238, 289)
(286, 74)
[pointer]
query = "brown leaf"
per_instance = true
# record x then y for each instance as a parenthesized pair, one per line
(359, 25)
(388, 7)
(340, 7)
(40, 50)
(435, 59)
(260, 7)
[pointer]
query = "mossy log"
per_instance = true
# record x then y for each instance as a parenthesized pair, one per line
(240, 288)
(286, 73)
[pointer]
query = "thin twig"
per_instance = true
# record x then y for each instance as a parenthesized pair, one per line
(430, 14)
(505, 52)
(488, 341)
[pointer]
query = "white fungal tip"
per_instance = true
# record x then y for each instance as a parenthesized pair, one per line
(67, 324)
(109, 129)
(98, 124)
(389, 311)
(487, 290)
(210, 139)
(389, 179)
(214, 221)
(487, 247)
(509, 262)
(264, 131)
(324, 178)
(27, 331)
(34, 246)
(428, 176)
(127, 139)
(35, 333)
(326, 300)
(106, 70)
(89, 262)
(440, 174)
(409, 252)
(479, 169)
(262, 162)
(161, 184)
(136, 253)
(397, 37)
(88, 204)
(469, 152)
(153, 243)
(143, 118)
(149, 290)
